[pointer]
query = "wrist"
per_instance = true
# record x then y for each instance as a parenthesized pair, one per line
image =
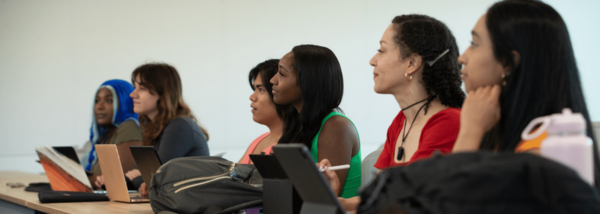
(469, 139)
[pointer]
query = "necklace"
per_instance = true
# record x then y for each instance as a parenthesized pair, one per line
(401, 148)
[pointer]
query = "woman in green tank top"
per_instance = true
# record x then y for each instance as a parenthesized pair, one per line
(310, 81)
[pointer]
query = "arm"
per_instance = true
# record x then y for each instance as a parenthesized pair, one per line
(480, 113)
(338, 141)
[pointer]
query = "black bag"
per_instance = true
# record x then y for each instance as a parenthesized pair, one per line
(49, 196)
(480, 183)
(192, 184)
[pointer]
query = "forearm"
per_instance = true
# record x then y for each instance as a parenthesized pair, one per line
(468, 140)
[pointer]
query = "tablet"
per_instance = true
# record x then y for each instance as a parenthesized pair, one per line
(312, 187)
(146, 160)
(268, 166)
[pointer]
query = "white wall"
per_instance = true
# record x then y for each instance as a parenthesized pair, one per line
(54, 55)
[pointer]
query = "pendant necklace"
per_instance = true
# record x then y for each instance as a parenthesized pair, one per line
(401, 148)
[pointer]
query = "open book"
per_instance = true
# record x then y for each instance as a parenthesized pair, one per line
(63, 173)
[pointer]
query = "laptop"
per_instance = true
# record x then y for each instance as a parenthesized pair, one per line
(114, 178)
(301, 169)
(67, 151)
(147, 161)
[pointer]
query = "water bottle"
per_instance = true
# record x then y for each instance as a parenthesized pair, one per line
(566, 141)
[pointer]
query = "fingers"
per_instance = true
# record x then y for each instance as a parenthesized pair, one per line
(324, 164)
(142, 190)
(99, 181)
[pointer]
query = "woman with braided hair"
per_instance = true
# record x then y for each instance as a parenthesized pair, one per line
(417, 64)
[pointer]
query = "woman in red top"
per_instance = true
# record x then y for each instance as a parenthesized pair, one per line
(417, 64)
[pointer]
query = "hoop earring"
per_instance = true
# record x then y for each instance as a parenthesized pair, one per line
(408, 77)
(503, 79)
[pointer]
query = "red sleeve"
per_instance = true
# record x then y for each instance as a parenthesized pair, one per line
(387, 155)
(439, 133)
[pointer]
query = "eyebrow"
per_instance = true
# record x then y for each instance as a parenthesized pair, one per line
(259, 85)
(475, 34)
(281, 66)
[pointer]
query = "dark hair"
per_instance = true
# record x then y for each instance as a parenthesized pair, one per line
(429, 38)
(546, 79)
(267, 70)
(319, 76)
(162, 79)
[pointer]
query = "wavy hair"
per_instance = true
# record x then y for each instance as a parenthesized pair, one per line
(429, 38)
(319, 76)
(162, 79)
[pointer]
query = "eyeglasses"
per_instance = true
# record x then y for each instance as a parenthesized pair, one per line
(15, 185)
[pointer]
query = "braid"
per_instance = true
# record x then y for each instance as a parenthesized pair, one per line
(429, 38)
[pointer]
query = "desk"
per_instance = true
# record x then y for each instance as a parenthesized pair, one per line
(30, 199)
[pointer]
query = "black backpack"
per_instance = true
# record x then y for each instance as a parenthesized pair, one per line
(193, 184)
(480, 183)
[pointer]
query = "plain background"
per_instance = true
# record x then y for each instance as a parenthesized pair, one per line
(55, 54)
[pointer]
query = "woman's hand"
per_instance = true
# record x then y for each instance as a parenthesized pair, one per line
(143, 191)
(480, 113)
(99, 181)
(133, 174)
(330, 176)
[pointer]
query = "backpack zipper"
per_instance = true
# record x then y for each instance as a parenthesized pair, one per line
(205, 177)
(201, 183)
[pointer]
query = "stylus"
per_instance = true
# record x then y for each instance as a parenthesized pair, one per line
(333, 168)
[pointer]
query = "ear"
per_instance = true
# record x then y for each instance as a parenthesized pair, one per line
(414, 64)
(516, 58)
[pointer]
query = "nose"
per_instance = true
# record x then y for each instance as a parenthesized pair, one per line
(133, 93)
(274, 79)
(373, 62)
(100, 105)
(253, 97)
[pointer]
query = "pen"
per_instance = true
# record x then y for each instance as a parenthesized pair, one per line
(333, 168)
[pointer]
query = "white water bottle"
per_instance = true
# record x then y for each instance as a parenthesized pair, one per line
(566, 142)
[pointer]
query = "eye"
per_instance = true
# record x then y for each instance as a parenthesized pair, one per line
(379, 50)
(473, 44)
(109, 101)
(96, 101)
(261, 90)
(280, 73)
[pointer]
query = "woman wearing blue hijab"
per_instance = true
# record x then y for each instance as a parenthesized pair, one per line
(113, 122)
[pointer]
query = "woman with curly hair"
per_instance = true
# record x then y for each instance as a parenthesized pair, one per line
(417, 64)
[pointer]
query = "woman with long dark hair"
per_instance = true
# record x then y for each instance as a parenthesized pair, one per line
(520, 66)
(310, 83)
(264, 110)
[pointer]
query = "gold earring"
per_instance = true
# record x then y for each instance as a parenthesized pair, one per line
(503, 80)
(406, 75)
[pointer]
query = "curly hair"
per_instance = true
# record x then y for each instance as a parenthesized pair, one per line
(429, 38)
